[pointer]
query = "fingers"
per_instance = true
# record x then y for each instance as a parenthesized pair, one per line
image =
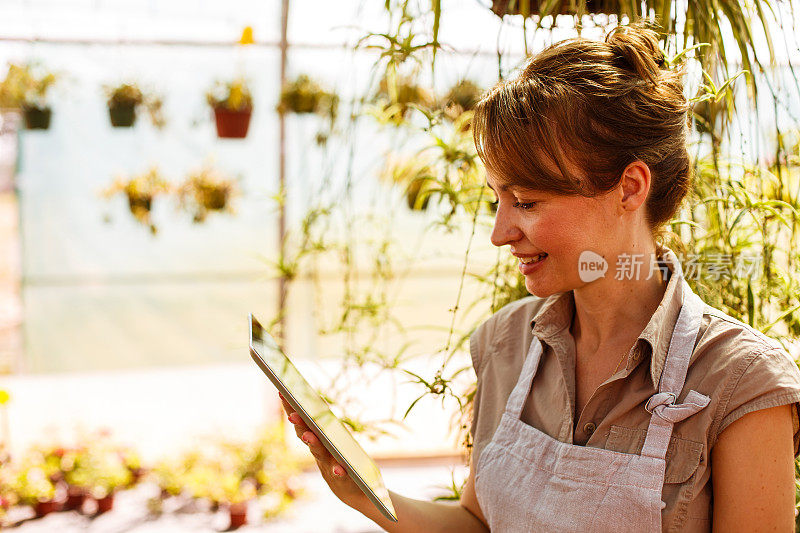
(323, 457)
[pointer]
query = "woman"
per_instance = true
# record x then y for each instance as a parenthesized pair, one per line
(615, 399)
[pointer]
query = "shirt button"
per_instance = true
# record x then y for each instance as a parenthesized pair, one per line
(589, 428)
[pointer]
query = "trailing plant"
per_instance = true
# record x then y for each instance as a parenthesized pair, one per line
(304, 95)
(741, 210)
(204, 191)
(141, 190)
(25, 86)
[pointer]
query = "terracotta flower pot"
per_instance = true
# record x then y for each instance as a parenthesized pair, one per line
(105, 504)
(45, 508)
(37, 118)
(238, 515)
(232, 124)
(122, 115)
(75, 498)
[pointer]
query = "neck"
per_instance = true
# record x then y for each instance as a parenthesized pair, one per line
(610, 311)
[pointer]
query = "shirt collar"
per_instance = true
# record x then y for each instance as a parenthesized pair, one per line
(555, 315)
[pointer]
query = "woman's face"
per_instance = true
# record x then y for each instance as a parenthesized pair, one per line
(534, 222)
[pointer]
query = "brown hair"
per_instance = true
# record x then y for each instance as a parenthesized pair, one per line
(601, 105)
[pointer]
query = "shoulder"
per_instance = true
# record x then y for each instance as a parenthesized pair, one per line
(742, 369)
(507, 326)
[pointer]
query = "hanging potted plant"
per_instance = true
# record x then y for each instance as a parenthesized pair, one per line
(206, 190)
(304, 96)
(559, 7)
(460, 98)
(140, 191)
(123, 101)
(233, 105)
(25, 88)
(397, 95)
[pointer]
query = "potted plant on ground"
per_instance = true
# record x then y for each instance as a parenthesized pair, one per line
(25, 88)
(124, 99)
(236, 493)
(133, 462)
(8, 498)
(33, 487)
(100, 472)
(204, 191)
(77, 477)
(140, 190)
(233, 105)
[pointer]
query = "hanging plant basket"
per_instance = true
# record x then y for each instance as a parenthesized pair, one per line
(232, 124)
(140, 190)
(140, 203)
(564, 7)
(37, 118)
(122, 115)
(204, 191)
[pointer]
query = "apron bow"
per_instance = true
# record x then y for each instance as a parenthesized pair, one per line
(663, 404)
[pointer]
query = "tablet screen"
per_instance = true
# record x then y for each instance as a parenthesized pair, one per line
(315, 407)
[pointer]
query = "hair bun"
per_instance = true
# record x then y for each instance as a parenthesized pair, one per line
(638, 46)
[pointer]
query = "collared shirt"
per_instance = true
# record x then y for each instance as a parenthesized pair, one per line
(738, 367)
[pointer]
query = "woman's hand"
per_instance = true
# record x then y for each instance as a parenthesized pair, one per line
(334, 474)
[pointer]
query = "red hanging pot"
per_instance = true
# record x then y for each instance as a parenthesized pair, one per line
(232, 124)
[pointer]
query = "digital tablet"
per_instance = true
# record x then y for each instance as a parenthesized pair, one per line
(316, 414)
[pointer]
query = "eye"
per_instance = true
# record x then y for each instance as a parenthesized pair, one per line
(524, 205)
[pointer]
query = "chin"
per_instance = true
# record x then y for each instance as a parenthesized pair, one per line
(538, 290)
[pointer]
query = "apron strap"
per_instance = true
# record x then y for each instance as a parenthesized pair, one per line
(665, 412)
(516, 400)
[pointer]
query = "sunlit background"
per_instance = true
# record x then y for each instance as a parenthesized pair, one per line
(138, 329)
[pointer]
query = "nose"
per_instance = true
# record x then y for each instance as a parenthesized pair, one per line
(505, 230)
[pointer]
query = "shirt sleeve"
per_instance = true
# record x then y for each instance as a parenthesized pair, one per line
(771, 379)
(477, 347)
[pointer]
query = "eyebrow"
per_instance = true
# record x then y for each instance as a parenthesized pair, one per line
(503, 188)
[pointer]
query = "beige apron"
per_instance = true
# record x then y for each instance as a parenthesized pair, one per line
(526, 480)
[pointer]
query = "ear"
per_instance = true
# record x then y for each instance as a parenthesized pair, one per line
(634, 185)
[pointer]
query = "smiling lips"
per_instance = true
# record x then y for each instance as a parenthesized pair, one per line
(532, 259)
